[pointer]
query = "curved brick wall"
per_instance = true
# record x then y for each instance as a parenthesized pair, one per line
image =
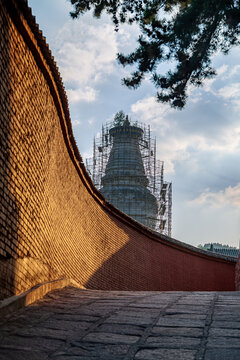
(53, 223)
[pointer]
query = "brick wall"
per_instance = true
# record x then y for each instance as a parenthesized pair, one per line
(53, 223)
(237, 275)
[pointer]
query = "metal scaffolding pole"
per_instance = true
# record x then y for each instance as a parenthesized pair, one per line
(136, 204)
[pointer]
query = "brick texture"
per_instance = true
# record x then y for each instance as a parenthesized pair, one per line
(237, 275)
(53, 223)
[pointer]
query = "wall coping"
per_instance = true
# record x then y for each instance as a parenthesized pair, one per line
(21, 15)
(37, 292)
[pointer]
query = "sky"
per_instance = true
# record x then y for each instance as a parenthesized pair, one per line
(200, 145)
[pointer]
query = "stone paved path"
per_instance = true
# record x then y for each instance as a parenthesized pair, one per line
(71, 324)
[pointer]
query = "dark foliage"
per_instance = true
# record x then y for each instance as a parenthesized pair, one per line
(185, 33)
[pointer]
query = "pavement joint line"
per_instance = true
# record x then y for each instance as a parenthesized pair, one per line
(37, 292)
(202, 348)
(140, 343)
(93, 327)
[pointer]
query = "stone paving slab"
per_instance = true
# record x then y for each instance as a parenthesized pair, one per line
(177, 331)
(222, 354)
(166, 354)
(73, 323)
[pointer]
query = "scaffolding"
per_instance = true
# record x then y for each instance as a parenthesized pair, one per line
(153, 168)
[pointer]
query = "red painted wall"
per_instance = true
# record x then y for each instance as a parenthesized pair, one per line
(237, 275)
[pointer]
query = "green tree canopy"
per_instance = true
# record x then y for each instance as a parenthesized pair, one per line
(120, 119)
(183, 33)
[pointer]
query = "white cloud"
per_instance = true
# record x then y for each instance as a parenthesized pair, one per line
(196, 94)
(172, 150)
(228, 196)
(76, 123)
(127, 38)
(228, 142)
(87, 94)
(223, 74)
(151, 112)
(85, 51)
(174, 143)
(222, 69)
(230, 91)
(232, 72)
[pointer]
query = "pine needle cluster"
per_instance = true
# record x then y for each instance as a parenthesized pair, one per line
(183, 33)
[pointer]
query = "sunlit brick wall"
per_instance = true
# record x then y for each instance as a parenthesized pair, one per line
(53, 223)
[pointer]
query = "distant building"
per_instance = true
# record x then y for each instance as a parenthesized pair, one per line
(221, 249)
(125, 170)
